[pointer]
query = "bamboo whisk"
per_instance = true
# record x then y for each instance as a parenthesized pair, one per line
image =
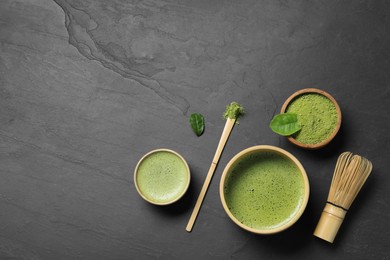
(350, 173)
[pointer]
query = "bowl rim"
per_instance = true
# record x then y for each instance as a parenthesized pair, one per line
(338, 110)
(283, 153)
(157, 151)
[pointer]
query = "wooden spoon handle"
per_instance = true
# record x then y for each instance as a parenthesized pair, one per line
(224, 137)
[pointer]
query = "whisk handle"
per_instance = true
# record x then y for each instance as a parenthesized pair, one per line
(331, 219)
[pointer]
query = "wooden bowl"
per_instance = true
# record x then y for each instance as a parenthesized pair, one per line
(321, 144)
(264, 189)
(162, 177)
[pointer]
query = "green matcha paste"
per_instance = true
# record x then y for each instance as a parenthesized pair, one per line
(264, 190)
(162, 177)
(317, 116)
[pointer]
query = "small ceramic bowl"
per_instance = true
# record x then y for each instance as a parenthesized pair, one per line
(264, 189)
(314, 111)
(162, 177)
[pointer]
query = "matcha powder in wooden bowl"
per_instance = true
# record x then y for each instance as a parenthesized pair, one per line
(317, 116)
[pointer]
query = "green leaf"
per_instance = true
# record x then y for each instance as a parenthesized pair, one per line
(197, 123)
(285, 124)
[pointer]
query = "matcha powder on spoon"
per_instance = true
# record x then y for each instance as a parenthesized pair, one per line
(233, 111)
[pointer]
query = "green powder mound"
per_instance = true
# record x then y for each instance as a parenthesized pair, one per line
(233, 111)
(264, 190)
(317, 116)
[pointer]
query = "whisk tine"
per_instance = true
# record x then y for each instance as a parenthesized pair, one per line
(350, 174)
(342, 163)
(350, 179)
(365, 168)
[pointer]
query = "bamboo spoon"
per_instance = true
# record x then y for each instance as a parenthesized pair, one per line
(350, 173)
(233, 111)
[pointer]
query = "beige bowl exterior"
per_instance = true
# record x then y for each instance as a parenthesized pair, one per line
(173, 200)
(271, 149)
(338, 124)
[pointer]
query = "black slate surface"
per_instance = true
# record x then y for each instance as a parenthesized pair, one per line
(88, 87)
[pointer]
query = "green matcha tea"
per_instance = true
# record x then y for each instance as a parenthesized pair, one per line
(317, 116)
(264, 190)
(162, 177)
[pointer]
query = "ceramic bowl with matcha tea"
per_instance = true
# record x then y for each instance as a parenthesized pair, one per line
(264, 189)
(318, 114)
(162, 177)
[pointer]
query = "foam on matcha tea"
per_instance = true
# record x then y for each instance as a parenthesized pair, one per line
(317, 116)
(162, 177)
(264, 190)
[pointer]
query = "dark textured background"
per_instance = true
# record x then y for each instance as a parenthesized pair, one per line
(88, 87)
